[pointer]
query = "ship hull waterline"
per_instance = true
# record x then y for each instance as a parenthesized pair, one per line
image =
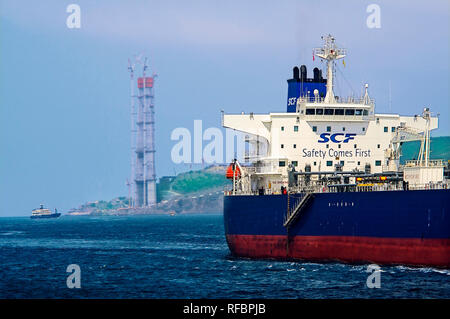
(55, 215)
(394, 227)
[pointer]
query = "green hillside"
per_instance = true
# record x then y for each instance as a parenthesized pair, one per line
(191, 182)
(101, 206)
(198, 181)
(440, 149)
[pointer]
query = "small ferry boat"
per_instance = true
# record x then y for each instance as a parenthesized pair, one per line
(42, 212)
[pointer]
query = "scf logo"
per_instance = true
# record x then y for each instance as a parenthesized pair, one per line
(325, 137)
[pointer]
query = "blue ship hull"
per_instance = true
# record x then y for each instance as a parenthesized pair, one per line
(385, 227)
(55, 215)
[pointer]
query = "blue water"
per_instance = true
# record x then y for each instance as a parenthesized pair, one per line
(176, 257)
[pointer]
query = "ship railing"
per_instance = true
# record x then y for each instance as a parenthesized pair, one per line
(347, 100)
(250, 169)
(268, 169)
(267, 191)
(252, 156)
(321, 117)
(428, 186)
(431, 163)
(368, 187)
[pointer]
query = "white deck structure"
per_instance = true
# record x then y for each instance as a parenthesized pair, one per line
(325, 132)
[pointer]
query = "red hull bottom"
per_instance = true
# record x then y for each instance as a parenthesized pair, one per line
(405, 251)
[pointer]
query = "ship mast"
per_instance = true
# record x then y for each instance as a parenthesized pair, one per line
(330, 52)
(424, 153)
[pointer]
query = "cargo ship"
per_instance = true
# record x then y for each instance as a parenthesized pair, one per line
(42, 212)
(323, 181)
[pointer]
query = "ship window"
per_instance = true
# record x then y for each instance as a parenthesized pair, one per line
(378, 145)
(282, 128)
(377, 163)
(329, 111)
(319, 111)
(328, 145)
(294, 163)
(329, 163)
(385, 128)
(295, 128)
(295, 145)
(282, 163)
(339, 145)
(349, 112)
(310, 111)
(364, 129)
(343, 129)
(328, 128)
(342, 163)
(315, 163)
(359, 163)
(393, 129)
(365, 112)
(314, 128)
(339, 112)
(282, 145)
(358, 112)
(355, 146)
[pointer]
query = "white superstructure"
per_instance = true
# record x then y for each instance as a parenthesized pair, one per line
(326, 134)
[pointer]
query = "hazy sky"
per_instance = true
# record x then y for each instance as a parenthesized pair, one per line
(64, 93)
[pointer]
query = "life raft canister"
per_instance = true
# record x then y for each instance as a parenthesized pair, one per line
(231, 172)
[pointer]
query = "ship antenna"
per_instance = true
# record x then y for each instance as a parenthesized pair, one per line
(330, 52)
(390, 97)
(424, 153)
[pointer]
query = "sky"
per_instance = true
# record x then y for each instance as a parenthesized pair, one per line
(64, 93)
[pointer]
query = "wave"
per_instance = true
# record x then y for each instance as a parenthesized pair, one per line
(11, 233)
(423, 270)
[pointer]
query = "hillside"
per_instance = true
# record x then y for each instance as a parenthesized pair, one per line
(100, 206)
(209, 179)
(440, 149)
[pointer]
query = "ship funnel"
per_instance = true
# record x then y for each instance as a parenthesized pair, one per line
(303, 73)
(316, 74)
(296, 73)
(300, 85)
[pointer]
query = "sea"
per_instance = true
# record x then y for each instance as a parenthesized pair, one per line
(182, 257)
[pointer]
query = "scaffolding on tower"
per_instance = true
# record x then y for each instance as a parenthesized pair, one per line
(143, 174)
